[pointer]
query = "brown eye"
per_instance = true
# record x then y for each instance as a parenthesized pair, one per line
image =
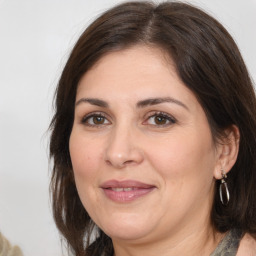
(98, 120)
(160, 120)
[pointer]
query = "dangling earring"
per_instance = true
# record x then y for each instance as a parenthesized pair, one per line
(224, 193)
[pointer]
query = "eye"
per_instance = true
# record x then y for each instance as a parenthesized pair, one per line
(160, 119)
(95, 119)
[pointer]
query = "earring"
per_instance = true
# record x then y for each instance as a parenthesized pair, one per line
(224, 193)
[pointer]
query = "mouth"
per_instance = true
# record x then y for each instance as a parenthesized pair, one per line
(125, 191)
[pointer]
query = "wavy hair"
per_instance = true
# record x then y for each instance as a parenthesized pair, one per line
(208, 62)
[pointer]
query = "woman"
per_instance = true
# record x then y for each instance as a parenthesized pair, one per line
(153, 138)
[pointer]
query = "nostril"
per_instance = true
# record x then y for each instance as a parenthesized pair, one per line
(128, 162)
(119, 164)
(108, 162)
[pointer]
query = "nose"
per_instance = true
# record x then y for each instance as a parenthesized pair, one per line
(122, 148)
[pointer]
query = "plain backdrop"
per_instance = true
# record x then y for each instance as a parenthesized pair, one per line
(36, 37)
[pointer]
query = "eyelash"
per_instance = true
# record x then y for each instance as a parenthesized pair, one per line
(85, 120)
(171, 120)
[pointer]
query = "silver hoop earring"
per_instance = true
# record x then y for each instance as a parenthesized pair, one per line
(224, 193)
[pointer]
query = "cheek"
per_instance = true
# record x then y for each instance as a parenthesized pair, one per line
(184, 155)
(186, 169)
(85, 156)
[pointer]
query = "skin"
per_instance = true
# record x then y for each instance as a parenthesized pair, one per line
(247, 246)
(178, 155)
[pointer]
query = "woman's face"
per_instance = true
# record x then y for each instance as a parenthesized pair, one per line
(141, 148)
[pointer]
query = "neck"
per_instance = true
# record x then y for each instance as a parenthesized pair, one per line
(200, 241)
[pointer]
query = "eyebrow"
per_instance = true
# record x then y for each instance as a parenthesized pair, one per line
(93, 101)
(140, 104)
(155, 101)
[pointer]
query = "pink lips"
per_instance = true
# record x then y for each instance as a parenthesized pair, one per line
(125, 191)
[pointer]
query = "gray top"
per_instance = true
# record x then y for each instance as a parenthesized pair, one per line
(228, 246)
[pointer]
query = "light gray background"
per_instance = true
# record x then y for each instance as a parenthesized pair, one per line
(36, 37)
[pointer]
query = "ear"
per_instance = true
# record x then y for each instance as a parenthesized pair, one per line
(227, 151)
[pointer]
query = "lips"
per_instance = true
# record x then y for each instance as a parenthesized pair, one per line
(126, 191)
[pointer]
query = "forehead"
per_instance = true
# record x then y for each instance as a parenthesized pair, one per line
(136, 53)
(134, 72)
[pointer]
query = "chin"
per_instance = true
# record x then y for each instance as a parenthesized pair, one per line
(125, 228)
(127, 234)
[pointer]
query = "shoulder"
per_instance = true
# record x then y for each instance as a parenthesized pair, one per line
(7, 249)
(247, 246)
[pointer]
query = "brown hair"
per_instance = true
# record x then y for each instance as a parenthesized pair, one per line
(210, 65)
